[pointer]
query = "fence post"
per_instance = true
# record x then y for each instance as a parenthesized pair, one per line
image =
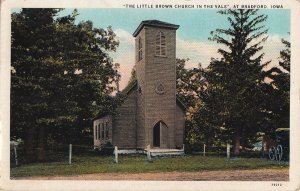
(204, 150)
(148, 153)
(183, 147)
(70, 154)
(116, 154)
(16, 157)
(228, 151)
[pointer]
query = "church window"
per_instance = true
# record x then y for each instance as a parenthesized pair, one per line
(95, 132)
(140, 51)
(99, 126)
(160, 44)
(102, 136)
(107, 130)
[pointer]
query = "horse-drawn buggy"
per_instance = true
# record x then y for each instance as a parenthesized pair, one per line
(280, 147)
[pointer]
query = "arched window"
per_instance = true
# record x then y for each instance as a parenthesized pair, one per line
(99, 131)
(107, 136)
(160, 44)
(140, 51)
(95, 132)
(102, 136)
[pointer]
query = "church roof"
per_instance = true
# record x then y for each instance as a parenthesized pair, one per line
(130, 87)
(133, 85)
(180, 103)
(154, 23)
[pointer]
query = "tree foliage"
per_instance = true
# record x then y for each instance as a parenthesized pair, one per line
(62, 76)
(279, 88)
(235, 98)
(233, 104)
(189, 83)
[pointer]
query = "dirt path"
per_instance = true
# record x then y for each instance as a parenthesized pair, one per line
(241, 175)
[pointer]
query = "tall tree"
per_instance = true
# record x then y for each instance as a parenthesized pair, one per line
(189, 83)
(233, 99)
(62, 76)
(32, 31)
(132, 79)
(279, 88)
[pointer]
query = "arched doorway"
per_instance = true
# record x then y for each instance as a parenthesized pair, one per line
(160, 135)
(156, 135)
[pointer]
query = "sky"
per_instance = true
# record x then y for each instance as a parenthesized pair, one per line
(192, 36)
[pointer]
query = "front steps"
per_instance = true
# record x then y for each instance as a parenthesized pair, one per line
(154, 152)
(166, 152)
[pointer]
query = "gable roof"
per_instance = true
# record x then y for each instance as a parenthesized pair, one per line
(154, 23)
(180, 103)
(133, 85)
(130, 87)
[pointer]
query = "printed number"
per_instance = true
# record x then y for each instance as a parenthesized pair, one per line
(276, 184)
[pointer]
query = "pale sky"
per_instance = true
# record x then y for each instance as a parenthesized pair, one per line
(192, 35)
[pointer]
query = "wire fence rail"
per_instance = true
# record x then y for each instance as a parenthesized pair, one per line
(65, 153)
(226, 151)
(58, 153)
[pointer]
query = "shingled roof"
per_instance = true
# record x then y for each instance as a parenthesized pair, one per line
(154, 23)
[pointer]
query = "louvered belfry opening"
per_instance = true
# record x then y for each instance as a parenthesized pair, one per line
(140, 47)
(160, 44)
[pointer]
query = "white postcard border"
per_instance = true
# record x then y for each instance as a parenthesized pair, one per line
(7, 184)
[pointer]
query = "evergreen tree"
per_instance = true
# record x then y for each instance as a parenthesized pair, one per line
(62, 76)
(279, 89)
(132, 80)
(233, 102)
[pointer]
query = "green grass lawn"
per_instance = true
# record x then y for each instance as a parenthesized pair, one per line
(88, 164)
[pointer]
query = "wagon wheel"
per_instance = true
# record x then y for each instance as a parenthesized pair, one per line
(279, 152)
(272, 153)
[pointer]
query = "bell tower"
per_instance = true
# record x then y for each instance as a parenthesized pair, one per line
(155, 55)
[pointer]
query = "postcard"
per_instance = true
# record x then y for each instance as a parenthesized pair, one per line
(152, 95)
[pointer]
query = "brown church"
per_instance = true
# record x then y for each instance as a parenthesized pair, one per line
(151, 114)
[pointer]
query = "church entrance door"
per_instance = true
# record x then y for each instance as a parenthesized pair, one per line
(160, 135)
(156, 135)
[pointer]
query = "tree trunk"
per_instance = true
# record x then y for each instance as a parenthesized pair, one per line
(29, 145)
(41, 144)
(243, 138)
(237, 143)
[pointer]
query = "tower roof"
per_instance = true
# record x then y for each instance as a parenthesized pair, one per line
(154, 23)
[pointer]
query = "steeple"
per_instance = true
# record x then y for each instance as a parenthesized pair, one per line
(155, 43)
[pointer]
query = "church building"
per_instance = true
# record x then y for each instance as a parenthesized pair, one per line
(151, 114)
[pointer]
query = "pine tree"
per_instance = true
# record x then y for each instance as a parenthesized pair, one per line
(233, 100)
(279, 89)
